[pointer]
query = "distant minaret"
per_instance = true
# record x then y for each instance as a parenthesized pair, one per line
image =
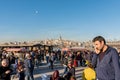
(60, 37)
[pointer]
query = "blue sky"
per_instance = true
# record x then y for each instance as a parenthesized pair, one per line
(79, 20)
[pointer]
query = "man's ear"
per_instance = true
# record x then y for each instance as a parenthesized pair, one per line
(102, 42)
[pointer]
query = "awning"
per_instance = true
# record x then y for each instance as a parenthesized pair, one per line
(15, 49)
(64, 49)
(78, 49)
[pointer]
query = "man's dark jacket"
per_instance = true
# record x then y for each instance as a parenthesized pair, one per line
(4, 76)
(108, 68)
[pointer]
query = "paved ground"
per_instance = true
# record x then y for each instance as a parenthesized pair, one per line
(44, 69)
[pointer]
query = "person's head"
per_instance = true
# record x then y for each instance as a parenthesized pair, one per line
(56, 74)
(88, 63)
(5, 63)
(78, 53)
(19, 61)
(68, 76)
(66, 56)
(69, 64)
(99, 42)
(72, 78)
(3, 57)
(28, 56)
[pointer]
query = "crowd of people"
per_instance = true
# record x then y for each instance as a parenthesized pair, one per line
(104, 61)
(23, 67)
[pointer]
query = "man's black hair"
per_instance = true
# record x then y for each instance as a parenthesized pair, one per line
(99, 38)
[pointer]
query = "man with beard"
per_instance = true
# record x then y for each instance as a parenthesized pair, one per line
(105, 61)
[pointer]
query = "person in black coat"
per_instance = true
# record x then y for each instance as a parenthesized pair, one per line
(5, 70)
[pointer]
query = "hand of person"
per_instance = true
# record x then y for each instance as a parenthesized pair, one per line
(97, 51)
(7, 72)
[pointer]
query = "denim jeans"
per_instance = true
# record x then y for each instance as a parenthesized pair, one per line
(47, 59)
(65, 70)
